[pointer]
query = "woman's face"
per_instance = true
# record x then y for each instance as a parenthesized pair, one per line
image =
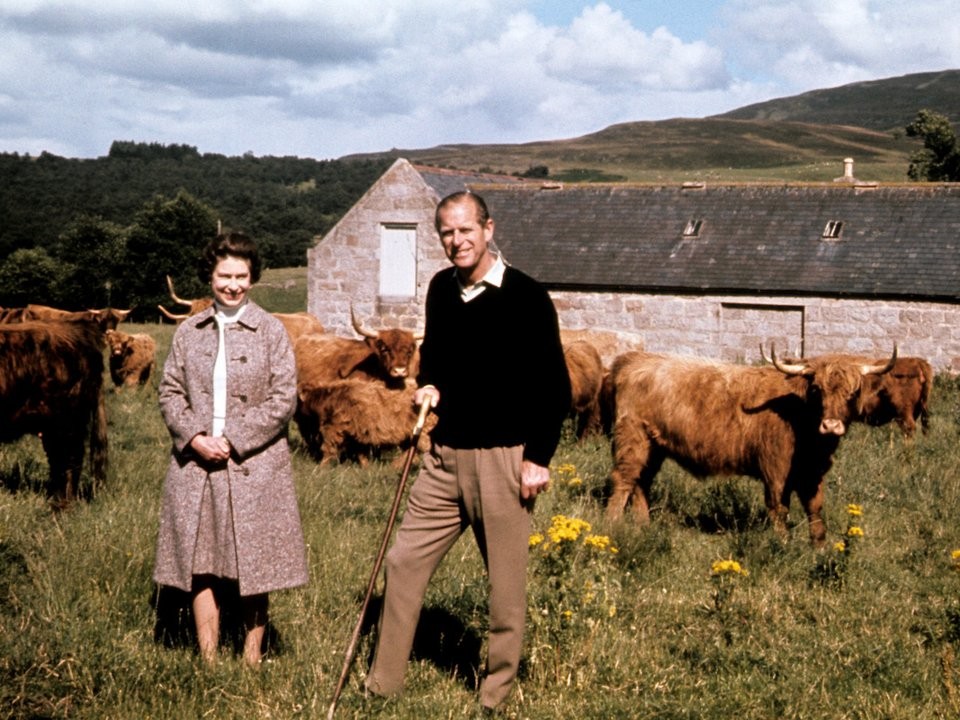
(231, 281)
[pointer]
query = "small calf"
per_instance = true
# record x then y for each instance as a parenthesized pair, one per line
(132, 357)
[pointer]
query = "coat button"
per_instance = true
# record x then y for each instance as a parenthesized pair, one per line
(243, 398)
(243, 358)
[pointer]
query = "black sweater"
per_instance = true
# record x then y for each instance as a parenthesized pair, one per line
(498, 364)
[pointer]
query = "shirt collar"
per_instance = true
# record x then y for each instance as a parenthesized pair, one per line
(494, 277)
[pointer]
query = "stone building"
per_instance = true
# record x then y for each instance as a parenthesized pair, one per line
(693, 268)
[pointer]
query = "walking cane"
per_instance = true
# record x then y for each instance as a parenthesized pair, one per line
(355, 638)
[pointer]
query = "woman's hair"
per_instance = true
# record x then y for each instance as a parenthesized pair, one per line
(234, 244)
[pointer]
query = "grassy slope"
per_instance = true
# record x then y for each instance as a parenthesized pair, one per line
(77, 607)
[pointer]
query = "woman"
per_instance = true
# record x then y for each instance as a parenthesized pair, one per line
(229, 510)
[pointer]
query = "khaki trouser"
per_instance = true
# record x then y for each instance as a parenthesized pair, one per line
(454, 489)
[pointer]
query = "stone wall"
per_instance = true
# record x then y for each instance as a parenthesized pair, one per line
(733, 327)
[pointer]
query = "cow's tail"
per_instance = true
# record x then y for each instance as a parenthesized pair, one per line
(98, 444)
(925, 386)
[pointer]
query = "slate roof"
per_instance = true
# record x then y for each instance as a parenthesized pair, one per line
(444, 182)
(897, 241)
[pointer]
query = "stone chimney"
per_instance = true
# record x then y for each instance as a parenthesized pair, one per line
(847, 172)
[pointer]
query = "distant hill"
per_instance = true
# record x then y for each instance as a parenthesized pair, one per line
(804, 138)
(885, 105)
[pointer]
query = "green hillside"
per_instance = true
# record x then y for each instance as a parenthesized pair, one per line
(885, 105)
(802, 138)
(677, 150)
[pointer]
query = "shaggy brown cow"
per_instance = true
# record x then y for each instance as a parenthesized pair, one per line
(51, 384)
(104, 318)
(353, 418)
(779, 424)
(586, 377)
(132, 358)
(901, 395)
(388, 356)
(195, 306)
(299, 323)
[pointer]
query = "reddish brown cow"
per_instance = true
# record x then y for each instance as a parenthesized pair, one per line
(779, 424)
(586, 377)
(132, 358)
(299, 323)
(104, 318)
(51, 384)
(901, 395)
(388, 356)
(352, 418)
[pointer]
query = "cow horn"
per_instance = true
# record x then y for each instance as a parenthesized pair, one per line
(173, 295)
(763, 355)
(879, 369)
(786, 368)
(170, 315)
(366, 332)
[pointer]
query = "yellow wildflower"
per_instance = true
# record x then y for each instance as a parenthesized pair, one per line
(536, 539)
(727, 567)
(955, 555)
(840, 546)
(854, 510)
(854, 531)
(563, 528)
(600, 542)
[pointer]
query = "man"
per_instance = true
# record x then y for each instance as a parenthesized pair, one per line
(492, 366)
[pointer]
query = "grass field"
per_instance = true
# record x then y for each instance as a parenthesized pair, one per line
(647, 631)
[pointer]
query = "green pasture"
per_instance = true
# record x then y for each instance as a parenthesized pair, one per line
(625, 621)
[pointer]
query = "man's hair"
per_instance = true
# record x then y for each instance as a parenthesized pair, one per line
(233, 244)
(483, 214)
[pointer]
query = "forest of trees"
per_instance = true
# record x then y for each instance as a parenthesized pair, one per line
(79, 233)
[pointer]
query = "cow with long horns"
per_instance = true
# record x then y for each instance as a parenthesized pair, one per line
(388, 356)
(780, 424)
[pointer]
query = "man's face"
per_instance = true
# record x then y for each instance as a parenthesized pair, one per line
(465, 240)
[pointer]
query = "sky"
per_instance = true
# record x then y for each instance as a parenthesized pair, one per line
(324, 79)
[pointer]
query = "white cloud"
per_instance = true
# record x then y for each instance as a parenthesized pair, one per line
(326, 79)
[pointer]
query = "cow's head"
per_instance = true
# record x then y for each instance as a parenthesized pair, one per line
(117, 341)
(109, 318)
(395, 348)
(833, 385)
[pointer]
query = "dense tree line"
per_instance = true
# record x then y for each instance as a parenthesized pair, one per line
(89, 233)
(284, 202)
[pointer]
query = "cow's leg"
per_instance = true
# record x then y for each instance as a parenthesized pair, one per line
(640, 497)
(631, 453)
(811, 497)
(64, 453)
(775, 473)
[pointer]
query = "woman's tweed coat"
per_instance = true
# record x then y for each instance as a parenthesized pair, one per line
(261, 398)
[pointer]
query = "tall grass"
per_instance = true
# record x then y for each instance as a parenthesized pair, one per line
(79, 614)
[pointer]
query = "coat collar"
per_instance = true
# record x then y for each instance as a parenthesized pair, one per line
(250, 318)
